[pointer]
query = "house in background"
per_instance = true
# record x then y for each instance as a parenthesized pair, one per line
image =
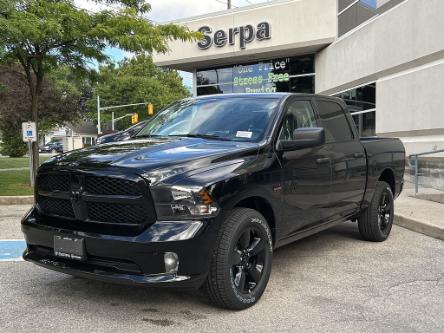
(73, 136)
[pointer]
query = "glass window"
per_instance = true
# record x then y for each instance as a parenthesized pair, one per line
(215, 89)
(351, 17)
(302, 65)
(365, 123)
(358, 100)
(273, 75)
(370, 3)
(299, 115)
(334, 122)
(303, 84)
(214, 76)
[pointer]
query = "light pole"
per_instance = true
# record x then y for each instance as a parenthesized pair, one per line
(99, 129)
(113, 120)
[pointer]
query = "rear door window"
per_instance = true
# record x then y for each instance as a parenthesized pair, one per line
(334, 122)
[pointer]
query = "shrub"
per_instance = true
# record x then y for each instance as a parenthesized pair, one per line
(12, 145)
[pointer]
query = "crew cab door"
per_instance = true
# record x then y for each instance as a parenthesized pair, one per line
(305, 173)
(347, 158)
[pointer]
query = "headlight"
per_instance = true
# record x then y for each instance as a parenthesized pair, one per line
(186, 202)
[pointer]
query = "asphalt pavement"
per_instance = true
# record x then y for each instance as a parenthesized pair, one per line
(330, 282)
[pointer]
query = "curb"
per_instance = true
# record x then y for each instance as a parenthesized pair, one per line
(423, 227)
(17, 200)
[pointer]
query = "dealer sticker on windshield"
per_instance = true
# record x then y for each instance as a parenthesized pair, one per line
(244, 134)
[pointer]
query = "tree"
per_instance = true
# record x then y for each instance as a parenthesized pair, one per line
(43, 34)
(137, 80)
(59, 103)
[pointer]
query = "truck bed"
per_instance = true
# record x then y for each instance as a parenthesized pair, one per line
(382, 154)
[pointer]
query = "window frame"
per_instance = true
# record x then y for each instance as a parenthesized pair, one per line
(284, 110)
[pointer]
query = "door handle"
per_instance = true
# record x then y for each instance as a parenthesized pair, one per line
(358, 155)
(323, 160)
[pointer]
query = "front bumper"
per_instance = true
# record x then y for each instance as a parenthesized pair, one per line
(128, 259)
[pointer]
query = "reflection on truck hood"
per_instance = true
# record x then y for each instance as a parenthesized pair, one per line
(152, 154)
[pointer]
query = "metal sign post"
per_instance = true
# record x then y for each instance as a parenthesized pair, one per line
(31, 169)
(29, 135)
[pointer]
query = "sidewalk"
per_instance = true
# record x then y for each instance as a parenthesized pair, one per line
(14, 169)
(423, 216)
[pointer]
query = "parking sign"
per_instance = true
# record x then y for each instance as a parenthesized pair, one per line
(29, 131)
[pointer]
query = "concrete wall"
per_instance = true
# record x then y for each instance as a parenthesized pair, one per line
(410, 105)
(297, 27)
(404, 37)
(402, 50)
(380, 3)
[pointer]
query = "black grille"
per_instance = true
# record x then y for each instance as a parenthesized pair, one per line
(54, 182)
(112, 186)
(116, 213)
(86, 199)
(53, 206)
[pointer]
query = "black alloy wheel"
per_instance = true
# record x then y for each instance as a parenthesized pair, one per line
(241, 264)
(375, 222)
(247, 260)
(384, 212)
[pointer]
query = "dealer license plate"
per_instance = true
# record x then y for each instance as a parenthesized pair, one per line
(69, 247)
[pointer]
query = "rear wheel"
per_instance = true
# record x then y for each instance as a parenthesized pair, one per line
(241, 263)
(375, 223)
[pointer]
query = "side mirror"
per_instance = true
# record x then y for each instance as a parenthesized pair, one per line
(303, 138)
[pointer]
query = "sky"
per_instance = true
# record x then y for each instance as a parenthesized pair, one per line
(169, 10)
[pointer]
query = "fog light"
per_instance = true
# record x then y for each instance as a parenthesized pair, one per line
(171, 261)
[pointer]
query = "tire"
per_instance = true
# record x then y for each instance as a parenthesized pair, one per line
(241, 263)
(375, 223)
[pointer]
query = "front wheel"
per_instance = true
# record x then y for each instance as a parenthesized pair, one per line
(241, 262)
(375, 223)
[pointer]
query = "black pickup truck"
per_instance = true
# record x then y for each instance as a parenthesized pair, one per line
(208, 189)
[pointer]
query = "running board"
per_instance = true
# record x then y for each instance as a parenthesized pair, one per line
(308, 232)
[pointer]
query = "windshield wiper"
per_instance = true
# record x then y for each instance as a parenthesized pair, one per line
(150, 136)
(203, 136)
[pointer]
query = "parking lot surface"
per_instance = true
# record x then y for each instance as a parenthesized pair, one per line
(330, 282)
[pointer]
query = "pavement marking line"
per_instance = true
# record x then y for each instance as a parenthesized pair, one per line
(12, 249)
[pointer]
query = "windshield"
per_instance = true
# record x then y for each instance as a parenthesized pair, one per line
(240, 119)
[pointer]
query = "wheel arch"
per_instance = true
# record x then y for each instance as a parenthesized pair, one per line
(264, 207)
(388, 176)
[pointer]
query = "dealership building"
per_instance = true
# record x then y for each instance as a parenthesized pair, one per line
(385, 58)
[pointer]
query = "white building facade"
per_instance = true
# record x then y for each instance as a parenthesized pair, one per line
(385, 58)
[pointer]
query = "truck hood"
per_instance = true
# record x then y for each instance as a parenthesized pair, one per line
(154, 154)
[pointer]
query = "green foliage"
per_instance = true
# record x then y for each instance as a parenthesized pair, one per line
(12, 145)
(44, 34)
(137, 80)
(48, 33)
(59, 103)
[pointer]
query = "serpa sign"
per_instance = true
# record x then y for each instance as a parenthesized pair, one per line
(246, 35)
